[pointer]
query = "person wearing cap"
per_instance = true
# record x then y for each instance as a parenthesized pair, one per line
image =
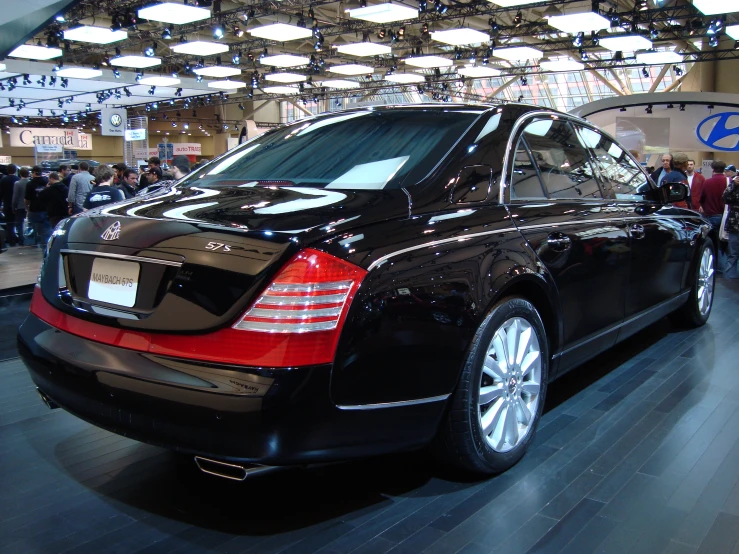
(730, 172)
(695, 182)
(678, 175)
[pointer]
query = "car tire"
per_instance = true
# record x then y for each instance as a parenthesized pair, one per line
(493, 413)
(697, 308)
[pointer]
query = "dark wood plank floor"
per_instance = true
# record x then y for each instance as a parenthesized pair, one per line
(638, 452)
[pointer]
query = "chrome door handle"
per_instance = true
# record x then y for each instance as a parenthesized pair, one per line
(637, 231)
(559, 242)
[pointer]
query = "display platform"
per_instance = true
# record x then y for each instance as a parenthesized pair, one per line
(637, 452)
(19, 266)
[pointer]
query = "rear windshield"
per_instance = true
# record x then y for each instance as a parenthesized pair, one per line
(367, 149)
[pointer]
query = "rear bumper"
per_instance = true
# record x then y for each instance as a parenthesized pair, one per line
(268, 416)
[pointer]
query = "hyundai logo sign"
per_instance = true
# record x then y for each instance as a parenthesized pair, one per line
(720, 131)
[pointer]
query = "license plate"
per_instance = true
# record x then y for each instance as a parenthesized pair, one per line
(114, 282)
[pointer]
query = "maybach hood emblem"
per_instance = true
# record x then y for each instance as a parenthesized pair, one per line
(112, 232)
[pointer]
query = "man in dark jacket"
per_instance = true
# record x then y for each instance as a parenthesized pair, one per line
(54, 199)
(103, 192)
(37, 216)
(661, 172)
(6, 194)
(731, 199)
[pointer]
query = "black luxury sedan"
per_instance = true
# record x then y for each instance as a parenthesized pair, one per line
(363, 282)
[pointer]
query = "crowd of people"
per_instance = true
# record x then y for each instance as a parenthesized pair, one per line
(716, 197)
(33, 204)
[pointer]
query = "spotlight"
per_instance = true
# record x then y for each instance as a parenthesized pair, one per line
(41, 113)
(577, 41)
(139, 75)
(236, 59)
(682, 107)
(186, 125)
(622, 109)
(584, 56)
(178, 92)
(127, 92)
(713, 41)
(116, 74)
(26, 79)
(381, 33)
(440, 7)
(524, 81)
(166, 34)
(618, 56)
(595, 38)
(88, 107)
(425, 29)
(65, 82)
(149, 51)
(670, 106)
(174, 124)
(653, 32)
(52, 81)
(401, 32)
(518, 19)
(710, 106)
(644, 72)
(241, 107)
(238, 31)
(648, 109)
(217, 32)
(199, 79)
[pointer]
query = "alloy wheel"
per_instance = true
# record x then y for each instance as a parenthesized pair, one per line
(705, 282)
(510, 385)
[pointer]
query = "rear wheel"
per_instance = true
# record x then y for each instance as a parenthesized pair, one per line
(498, 402)
(696, 310)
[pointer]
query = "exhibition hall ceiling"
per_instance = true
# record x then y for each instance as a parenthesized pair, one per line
(560, 54)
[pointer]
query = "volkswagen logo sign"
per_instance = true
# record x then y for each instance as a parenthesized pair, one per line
(112, 232)
(116, 120)
(720, 131)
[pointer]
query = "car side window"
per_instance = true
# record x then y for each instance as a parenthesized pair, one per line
(561, 159)
(622, 177)
(525, 183)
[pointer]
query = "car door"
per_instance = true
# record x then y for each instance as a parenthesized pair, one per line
(659, 244)
(556, 203)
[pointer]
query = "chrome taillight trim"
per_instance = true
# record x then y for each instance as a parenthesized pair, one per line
(273, 327)
(310, 287)
(302, 300)
(294, 314)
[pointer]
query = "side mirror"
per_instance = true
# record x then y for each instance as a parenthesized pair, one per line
(472, 184)
(677, 192)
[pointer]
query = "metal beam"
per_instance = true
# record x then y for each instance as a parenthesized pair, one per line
(658, 80)
(501, 88)
(301, 108)
(605, 81)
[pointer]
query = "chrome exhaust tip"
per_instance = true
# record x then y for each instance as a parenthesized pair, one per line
(46, 400)
(234, 472)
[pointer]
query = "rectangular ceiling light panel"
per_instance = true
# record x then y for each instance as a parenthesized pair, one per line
(340, 83)
(218, 71)
(478, 72)
(512, 3)
(95, 35)
(177, 14)
(285, 77)
(650, 58)
(79, 72)
(574, 23)
(364, 49)
(429, 62)
(226, 85)
(518, 53)
(405, 78)
(281, 32)
(716, 7)
(136, 62)
(160, 81)
(200, 48)
(562, 65)
(284, 60)
(733, 31)
(626, 43)
(282, 89)
(352, 69)
(31, 52)
(384, 13)
(460, 37)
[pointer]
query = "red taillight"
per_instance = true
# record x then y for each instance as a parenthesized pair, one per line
(295, 322)
(309, 295)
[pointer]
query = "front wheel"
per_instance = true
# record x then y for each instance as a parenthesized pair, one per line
(500, 397)
(697, 308)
